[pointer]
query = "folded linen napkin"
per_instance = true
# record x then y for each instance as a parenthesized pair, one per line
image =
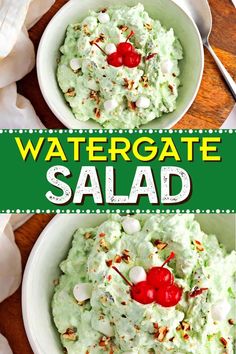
(17, 58)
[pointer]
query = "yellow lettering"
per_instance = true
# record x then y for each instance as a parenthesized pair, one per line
(114, 150)
(55, 150)
(29, 148)
(205, 148)
(92, 148)
(190, 143)
(152, 149)
(76, 142)
(169, 145)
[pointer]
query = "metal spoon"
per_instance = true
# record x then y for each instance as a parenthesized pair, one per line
(201, 13)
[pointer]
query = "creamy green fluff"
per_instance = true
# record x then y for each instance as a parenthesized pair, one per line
(132, 322)
(87, 88)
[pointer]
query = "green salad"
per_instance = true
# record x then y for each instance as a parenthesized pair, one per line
(120, 87)
(93, 306)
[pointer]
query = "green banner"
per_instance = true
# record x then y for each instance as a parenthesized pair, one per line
(117, 171)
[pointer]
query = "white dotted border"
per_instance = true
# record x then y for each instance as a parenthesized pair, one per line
(117, 211)
(119, 131)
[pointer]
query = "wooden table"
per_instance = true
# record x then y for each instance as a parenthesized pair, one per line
(11, 322)
(214, 101)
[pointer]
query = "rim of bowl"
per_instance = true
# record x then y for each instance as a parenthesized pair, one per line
(63, 118)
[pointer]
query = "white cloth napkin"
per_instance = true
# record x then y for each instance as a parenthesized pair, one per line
(10, 262)
(17, 58)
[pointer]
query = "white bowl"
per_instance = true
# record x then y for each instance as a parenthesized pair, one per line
(170, 15)
(52, 247)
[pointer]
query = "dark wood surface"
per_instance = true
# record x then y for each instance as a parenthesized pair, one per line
(11, 322)
(214, 101)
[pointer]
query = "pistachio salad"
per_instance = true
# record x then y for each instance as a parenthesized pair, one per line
(120, 67)
(146, 284)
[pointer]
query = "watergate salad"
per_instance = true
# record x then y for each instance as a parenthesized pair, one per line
(146, 284)
(120, 67)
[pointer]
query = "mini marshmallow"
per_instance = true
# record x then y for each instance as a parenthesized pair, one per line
(110, 105)
(82, 291)
(105, 327)
(137, 274)
(220, 310)
(131, 225)
(103, 17)
(75, 64)
(166, 66)
(110, 48)
(143, 102)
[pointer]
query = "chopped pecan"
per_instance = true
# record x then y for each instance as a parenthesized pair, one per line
(123, 303)
(186, 336)
(161, 333)
(129, 84)
(103, 245)
(224, 342)
(104, 341)
(123, 28)
(185, 326)
(71, 92)
(70, 334)
(126, 256)
(144, 80)
(102, 234)
(155, 325)
(231, 321)
(94, 96)
(109, 277)
(148, 26)
(101, 38)
(160, 245)
(86, 30)
(171, 87)
(198, 245)
(87, 235)
(109, 263)
(131, 105)
(97, 112)
(118, 259)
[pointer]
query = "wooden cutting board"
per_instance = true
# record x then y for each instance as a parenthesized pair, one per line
(214, 101)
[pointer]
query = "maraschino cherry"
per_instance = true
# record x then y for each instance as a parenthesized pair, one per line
(125, 54)
(158, 287)
(159, 276)
(115, 59)
(141, 292)
(168, 295)
(125, 47)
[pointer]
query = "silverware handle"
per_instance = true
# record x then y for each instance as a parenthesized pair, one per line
(228, 78)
